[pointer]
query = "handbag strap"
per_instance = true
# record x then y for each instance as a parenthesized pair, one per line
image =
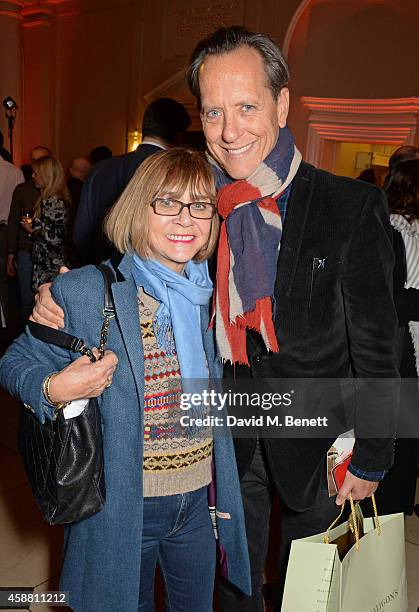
(108, 305)
(72, 343)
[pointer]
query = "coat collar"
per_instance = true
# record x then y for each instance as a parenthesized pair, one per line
(294, 227)
(124, 294)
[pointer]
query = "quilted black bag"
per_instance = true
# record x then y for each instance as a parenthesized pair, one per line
(63, 458)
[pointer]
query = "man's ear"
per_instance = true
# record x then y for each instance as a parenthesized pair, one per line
(282, 106)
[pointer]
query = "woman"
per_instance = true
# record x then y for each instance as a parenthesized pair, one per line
(50, 223)
(397, 491)
(157, 469)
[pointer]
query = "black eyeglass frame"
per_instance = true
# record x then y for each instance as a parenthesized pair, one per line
(182, 206)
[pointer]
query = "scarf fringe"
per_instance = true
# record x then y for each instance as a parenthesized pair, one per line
(162, 327)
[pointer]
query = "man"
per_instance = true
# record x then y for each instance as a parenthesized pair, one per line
(331, 284)
(79, 169)
(10, 176)
(328, 271)
(164, 123)
(19, 242)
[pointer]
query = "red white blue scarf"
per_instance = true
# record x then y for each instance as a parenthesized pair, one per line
(250, 240)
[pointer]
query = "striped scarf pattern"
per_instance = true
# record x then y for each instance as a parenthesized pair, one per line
(250, 240)
(410, 235)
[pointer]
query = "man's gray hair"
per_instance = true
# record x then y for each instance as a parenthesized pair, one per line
(230, 39)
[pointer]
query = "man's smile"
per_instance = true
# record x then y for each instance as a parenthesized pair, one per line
(239, 151)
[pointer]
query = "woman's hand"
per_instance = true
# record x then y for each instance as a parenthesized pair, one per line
(83, 379)
(46, 312)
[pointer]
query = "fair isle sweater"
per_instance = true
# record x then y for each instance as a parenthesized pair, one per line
(173, 462)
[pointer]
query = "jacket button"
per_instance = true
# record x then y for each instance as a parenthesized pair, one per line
(258, 359)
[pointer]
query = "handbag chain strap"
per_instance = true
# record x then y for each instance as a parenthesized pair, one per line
(108, 306)
(72, 343)
(104, 335)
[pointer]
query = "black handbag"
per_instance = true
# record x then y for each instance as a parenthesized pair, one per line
(63, 458)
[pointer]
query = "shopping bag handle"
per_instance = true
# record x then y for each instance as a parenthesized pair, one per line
(354, 525)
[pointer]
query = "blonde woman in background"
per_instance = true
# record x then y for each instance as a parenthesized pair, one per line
(50, 223)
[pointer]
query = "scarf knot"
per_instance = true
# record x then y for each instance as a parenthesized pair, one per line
(250, 239)
(234, 194)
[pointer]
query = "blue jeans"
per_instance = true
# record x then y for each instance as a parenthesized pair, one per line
(177, 534)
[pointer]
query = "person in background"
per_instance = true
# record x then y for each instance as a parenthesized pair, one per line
(158, 470)
(19, 241)
(400, 155)
(50, 223)
(397, 493)
(4, 153)
(369, 176)
(79, 169)
(27, 172)
(10, 176)
(99, 154)
(165, 122)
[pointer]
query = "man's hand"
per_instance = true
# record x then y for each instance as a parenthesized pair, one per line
(83, 379)
(360, 489)
(11, 265)
(46, 311)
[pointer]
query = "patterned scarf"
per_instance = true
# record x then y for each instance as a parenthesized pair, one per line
(250, 240)
(410, 235)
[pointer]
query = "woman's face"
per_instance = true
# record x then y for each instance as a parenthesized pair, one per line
(175, 240)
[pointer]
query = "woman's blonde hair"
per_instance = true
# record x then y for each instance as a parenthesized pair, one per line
(51, 173)
(169, 172)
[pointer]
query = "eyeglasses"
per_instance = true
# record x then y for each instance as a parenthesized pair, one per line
(171, 208)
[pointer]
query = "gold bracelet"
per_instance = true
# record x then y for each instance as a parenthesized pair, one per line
(47, 395)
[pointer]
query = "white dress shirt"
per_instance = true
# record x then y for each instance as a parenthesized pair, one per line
(10, 176)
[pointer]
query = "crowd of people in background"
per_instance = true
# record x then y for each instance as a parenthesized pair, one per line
(50, 218)
(38, 212)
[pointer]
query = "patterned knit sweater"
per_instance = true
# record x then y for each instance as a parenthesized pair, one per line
(173, 462)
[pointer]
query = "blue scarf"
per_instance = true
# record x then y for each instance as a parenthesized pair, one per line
(177, 322)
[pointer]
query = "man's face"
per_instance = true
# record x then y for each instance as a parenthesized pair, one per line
(240, 117)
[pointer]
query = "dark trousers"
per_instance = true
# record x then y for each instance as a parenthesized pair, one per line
(3, 275)
(256, 489)
(24, 277)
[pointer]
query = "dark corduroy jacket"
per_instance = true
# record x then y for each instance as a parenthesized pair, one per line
(334, 320)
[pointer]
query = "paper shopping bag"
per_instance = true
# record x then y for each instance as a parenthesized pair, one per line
(371, 578)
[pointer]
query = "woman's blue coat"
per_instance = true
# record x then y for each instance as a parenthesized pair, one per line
(101, 567)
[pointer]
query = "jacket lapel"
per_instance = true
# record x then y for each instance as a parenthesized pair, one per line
(125, 298)
(294, 227)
